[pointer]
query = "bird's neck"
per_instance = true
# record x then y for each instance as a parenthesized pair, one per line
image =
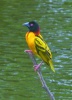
(37, 32)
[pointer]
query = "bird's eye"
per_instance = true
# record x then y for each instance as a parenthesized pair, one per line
(31, 24)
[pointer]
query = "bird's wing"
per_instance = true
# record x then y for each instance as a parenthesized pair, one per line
(42, 49)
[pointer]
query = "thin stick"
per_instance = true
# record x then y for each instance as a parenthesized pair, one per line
(40, 76)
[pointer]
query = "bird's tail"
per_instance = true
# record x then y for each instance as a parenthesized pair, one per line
(51, 65)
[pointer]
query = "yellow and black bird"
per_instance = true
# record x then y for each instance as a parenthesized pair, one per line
(37, 44)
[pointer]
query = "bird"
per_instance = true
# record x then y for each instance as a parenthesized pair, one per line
(37, 44)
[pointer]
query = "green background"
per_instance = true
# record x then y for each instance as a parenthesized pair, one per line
(18, 81)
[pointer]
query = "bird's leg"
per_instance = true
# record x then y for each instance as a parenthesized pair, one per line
(36, 67)
(28, 51)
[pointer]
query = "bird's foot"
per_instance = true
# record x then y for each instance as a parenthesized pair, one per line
(28, 51)
(36, 67)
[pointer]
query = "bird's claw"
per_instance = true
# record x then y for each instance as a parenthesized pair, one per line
(28, 51)
(36, 67)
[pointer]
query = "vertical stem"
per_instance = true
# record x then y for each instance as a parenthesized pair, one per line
(40, 76)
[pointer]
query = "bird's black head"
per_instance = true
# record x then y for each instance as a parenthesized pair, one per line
(33, 26)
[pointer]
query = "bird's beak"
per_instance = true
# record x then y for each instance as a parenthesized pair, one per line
(26, 24)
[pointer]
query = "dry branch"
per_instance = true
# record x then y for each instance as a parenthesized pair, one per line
(40, 76)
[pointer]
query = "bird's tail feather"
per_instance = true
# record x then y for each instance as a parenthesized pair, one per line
(51, 65)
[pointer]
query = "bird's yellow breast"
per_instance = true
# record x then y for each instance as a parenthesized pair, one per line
(30, 38)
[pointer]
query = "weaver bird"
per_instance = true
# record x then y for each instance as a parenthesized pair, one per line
(37, 45)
